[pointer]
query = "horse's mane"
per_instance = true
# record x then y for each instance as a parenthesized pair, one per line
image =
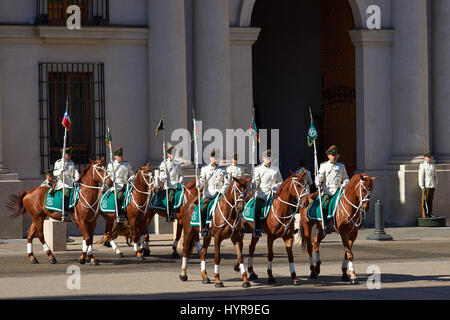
(85, 171)
(280, 188)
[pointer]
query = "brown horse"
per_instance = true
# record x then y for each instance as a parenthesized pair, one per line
(93, 180)
(190, 192)
(347, 221)
(225, 223)
(291, 195)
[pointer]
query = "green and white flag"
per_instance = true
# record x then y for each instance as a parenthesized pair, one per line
(312, 135)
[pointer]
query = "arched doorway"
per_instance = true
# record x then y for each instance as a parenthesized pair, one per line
(304, 57)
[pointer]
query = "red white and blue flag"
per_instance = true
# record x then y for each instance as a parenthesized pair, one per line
(66, 122)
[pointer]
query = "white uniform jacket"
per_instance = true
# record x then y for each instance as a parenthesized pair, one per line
(213, 179)
(266, 179)
(175, 173)
(427, 175)
(123, 173)
(71, 174)
(332, 175)
(234, 171)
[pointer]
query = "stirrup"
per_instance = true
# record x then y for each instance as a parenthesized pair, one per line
(257, 234)
(205, 232)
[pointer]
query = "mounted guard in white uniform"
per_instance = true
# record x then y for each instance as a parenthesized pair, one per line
(172, 178)
(234, 170)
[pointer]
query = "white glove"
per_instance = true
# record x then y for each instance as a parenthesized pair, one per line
(181, 180)
(345, 183)
(423, 188)
(163, 176)
(197, 184)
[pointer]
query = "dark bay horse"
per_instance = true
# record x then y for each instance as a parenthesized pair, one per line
(347, 221)
(225, 223)
(93, 179)
(291, 195)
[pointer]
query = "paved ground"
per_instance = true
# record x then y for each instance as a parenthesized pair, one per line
(416, 265)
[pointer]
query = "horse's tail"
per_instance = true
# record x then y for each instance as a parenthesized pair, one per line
(15, 204)
(191, 244)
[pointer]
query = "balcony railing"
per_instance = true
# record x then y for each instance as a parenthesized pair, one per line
(53, 12)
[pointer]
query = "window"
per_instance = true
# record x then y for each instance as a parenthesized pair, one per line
(82, 86)
(53, 12)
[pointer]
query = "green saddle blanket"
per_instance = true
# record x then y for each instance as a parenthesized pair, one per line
(54, 202)
(249, 210)
(195, 218)
(314, 209)
(108, 202)
(159, 200)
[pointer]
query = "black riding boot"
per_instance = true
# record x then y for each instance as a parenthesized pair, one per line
(205, 232)
(257, 217)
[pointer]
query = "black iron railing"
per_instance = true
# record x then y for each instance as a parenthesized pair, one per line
(82, 87)
(53, 12)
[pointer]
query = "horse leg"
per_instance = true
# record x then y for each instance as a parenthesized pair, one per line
(251, 252)
(240, 242)
(40, 233)
(90, 229)
(187, 238)
(82, 227)
(237, 242)
(135, 236)
(31, 233)
(317, 240)
(348, 258)
(108, 229)
(288, 241)
(175, 254)
(270, 258)
(306, 239)
(198, 244)
(217, 241)
(205, 279)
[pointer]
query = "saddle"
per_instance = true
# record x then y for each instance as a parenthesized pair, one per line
(195, 218)
(159, 200)
(249, 210)
(54, 200)
(314, 212)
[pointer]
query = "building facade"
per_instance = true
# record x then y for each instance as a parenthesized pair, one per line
(380, 95)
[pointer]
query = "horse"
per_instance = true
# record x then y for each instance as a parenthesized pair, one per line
(291, 194)
(356, 199)
(93, 180)
(225, 224)
(190, 192)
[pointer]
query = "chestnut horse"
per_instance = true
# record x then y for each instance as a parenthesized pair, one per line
(291, 195)
(225, 223)
(93, 180)
(190, 192)
(347, 221)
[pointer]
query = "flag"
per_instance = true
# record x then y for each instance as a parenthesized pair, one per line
(108, 138)
(253, 130)
(66, 122)
(160, 126)
(312, 135)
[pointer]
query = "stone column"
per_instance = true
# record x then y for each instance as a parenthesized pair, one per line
(212, 64)
(411, 130)
(167, 70)
(441, 79)
(3, 168)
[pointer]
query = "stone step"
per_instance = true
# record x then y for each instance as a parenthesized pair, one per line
(9, 177)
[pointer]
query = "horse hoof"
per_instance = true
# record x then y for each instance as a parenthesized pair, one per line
(146, 253)
(296, 282)
(313, 275)
(271, 280)
(246, 285)
(219, 285)
(141, 258)
(253, 276)
(345, 278)
(52, 261)
(183, 277)
(119, 255)
(175, 255)
(34, 261)
(354, 281)
(206, 280)
(95, 263)
(81, 261)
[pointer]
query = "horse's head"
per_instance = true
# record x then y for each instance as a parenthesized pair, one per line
(145, 179)
(239, 191)
(365, 190)
(299, 188)
(97, 170)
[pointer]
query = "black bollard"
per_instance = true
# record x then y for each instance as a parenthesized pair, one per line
(379, 234)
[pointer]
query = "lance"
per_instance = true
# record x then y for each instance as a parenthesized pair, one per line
(63, 159)
(316, 171)
(108, 142)
(254, 159)
(167, 173)
(196, 166)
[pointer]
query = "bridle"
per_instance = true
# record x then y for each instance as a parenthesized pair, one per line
(359, 207)
(150, 182)
(86, 204)
(239, 196)
(294, 183)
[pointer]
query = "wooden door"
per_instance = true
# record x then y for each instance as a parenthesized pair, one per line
(338, 77)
